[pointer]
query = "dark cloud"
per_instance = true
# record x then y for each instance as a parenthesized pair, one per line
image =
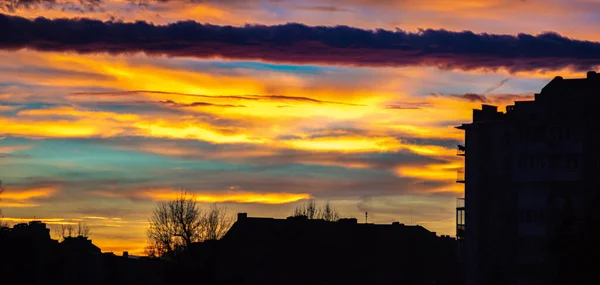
(496, 86)
(198, 104)
(408, 106)
(300, 44)
(492, 98)
(280, 98)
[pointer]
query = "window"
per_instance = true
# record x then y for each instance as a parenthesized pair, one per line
(532, 216)
(572, 161)
(543, 162)
(523, 162)
(531, 162)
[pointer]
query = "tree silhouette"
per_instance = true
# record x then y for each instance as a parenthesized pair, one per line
(216, 223)
(312, 211)
(70, 231)
(3, 224)
(176, 224)
(329, 213)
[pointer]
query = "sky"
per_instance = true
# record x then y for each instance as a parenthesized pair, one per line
(110, 106)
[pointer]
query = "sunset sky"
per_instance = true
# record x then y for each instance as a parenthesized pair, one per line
(102, 117)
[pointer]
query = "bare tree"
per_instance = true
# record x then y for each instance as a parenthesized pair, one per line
(178, 223)
(83, 230)
(329, 213)
(3, 224)
(309, 210)
(312, 211)
(70, 231)
(216, 223)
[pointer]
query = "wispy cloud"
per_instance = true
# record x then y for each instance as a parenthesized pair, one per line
(19, 198)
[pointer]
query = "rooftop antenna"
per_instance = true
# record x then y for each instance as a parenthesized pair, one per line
(366, 217)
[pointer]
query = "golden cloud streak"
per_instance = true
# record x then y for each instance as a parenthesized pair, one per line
(437, 172)
(17, 204)
(230, 196)
(49, 221)
(21, 199)
(43, 192)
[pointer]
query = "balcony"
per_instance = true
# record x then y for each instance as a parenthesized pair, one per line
(460, 203)
(460, 176)
(460, 231)
(461, 150)
(460, 218)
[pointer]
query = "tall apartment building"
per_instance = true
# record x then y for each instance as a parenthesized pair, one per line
(522, 166)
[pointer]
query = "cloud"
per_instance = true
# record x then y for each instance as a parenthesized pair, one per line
(499, 99)
(18, 198)
(8, 149)
(300, 44)
(79, 6)
(197, 104)
(496, 86)
(408, 106)
(322, 8)
(234, 196)
(278, 98)
(50, 221)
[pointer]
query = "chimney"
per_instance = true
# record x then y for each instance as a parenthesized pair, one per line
(242, 216)
(591, 74)
(126, 254)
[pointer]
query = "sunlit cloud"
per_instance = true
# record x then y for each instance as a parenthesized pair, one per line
(147, 126)
(49, 221)
(441, 172)
(29, 194)
(7, 149)
(231, 197)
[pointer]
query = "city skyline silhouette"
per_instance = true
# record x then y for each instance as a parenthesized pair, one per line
(450, 116)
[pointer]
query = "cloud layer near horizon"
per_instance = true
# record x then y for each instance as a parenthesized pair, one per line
(301, 44)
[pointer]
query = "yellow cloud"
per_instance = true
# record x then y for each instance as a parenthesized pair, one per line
(231, 196)
(437, 172)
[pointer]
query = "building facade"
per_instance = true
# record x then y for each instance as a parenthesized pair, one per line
(522, 168)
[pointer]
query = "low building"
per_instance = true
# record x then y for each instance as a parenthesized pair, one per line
(297, 250)
(29, 256)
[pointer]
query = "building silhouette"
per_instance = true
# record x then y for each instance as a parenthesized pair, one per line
(28, 255)
(298, 250)
(529, 172)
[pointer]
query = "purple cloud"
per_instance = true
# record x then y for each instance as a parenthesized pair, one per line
(300, 44)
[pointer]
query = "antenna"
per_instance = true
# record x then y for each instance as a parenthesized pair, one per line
(366, 217)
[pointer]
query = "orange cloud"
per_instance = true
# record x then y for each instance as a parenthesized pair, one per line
(446, 173)
(24, 198)
(43, 192)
